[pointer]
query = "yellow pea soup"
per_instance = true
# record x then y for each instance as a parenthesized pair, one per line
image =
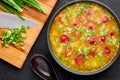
(84, 37)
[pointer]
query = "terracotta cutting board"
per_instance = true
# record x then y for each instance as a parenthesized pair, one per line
(14, 55)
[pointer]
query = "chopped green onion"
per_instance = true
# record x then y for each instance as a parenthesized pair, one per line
(22, 48)
(82, 10)
(103, 30)
(99, 58)
(84, 51)
(14, 36)
(116, 30)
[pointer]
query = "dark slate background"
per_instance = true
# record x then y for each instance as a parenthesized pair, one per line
(8, 72)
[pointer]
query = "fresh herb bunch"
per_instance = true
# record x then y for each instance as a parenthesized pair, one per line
(14, 36)
(16, 6)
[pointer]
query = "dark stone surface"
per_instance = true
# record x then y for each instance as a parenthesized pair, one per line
(8, 72)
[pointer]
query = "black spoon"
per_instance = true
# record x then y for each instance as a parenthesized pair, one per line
(42, 67)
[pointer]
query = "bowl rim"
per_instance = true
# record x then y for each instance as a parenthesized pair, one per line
(55, 58)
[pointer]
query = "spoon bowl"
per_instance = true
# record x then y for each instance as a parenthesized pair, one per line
(42, 67)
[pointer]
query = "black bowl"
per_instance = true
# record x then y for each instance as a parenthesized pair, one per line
(78, 72)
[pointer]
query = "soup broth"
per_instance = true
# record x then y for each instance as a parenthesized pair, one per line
(84, 36)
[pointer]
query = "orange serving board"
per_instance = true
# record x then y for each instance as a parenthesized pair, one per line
(14, 55)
